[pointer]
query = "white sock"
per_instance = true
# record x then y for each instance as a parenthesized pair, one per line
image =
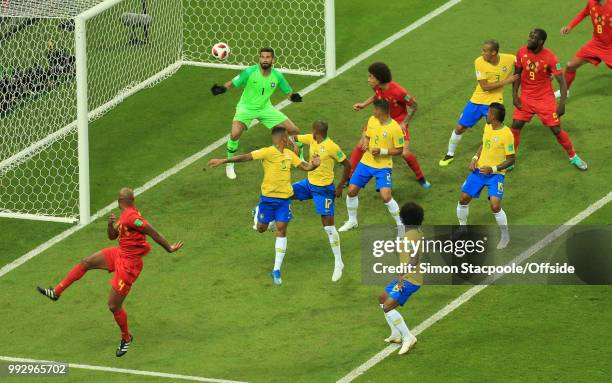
(256, 214)
(334, 242)
(398, 321)
(453, 142)
(394, 331)
(502, 221)
(280, 248)
(394, 210)
(462, 213)
(352, 203)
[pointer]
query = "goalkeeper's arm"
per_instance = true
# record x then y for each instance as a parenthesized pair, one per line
(217, 89)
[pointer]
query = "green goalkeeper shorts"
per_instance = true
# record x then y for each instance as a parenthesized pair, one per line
(268, 115)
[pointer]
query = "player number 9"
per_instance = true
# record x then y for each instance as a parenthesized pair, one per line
(531, 75)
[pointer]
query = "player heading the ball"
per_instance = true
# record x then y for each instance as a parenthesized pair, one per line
(260, 81)
(125, 261)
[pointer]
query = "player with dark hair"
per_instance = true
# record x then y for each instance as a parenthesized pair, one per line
(259, 82)
(599, 48)
(319, 185)
(276, 191)
(402, 109)
(493, 72)
(536, 65)
(382, 139)
(401, 288)
(124, 260)
(488, 166)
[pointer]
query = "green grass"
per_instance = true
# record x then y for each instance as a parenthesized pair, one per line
(211, 309)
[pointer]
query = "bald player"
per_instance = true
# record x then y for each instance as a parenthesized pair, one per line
(124, 260)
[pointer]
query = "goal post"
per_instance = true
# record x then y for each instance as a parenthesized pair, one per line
(66, 63)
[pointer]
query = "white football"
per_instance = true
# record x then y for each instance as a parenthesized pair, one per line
(220, 51)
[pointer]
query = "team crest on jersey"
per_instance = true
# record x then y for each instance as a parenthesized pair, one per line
(532, 66)
(504, 68)
(599, 19)
(495, 140)
(273, 85)
(385, 133)
(322, 149)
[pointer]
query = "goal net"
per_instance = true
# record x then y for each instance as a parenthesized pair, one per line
(64, 63)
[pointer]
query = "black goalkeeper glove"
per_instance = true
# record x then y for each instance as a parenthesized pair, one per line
(295, 97)
(218, 89)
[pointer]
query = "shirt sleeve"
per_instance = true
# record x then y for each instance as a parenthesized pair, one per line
(517, 60)
(398, 136)
(480, 72)
(509, 143)
(242, 78)
(554, 65)
(259, 154)
(579, 17)
(137, 222)
(403, 97)
(295, 160)
(283, 84)
(305, 138)
(339, 155)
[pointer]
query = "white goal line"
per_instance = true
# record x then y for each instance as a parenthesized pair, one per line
(466, 296)
(122, 370)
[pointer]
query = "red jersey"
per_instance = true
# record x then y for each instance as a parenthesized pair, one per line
(132, 240)
(601, 17)
(538, 68)
(398, 99)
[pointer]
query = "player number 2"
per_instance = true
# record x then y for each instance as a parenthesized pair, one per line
(531, 75)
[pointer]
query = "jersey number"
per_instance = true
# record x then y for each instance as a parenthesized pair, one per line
(328, 202)
(599, 29)
(531, 75)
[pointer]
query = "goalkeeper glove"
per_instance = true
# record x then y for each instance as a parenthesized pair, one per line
(218, 89)
(295, 97)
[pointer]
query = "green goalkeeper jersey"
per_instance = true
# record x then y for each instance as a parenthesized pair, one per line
(259, 88)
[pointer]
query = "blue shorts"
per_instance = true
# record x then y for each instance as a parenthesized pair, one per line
(323, 196)
(476, 181)
(401, 296)
(364, 173)
(472, 113)
(274, 209)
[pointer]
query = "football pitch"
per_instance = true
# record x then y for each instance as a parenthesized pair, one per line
(211, 311)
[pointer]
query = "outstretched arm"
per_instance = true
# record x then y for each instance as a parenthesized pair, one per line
(241, 158)
(157, 237)
(489, 86)
(362, 105)
(576, 20)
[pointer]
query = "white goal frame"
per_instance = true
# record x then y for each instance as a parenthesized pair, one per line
(83, 115)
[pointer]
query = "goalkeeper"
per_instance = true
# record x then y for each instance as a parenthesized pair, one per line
(259, 82)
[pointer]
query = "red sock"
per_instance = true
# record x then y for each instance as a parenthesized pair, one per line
(564, 140)
(412, 161)
(517, 137)
(74, 275)
(570, 76)
(355, 157)
(121, 319)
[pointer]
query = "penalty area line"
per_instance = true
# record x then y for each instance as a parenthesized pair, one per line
(123, 370)
(217, 144)
(469, 294)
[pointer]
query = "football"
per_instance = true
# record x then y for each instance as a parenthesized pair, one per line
(220, 51)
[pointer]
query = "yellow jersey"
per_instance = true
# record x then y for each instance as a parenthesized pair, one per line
(387, 136)
(416, 278)
(496, 145)
(329, 153)
(492, 73)
(277, 171)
